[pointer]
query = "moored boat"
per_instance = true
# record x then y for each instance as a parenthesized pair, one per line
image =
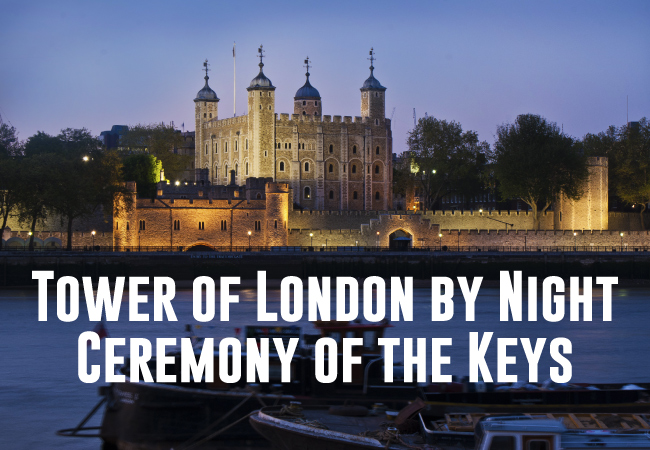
(317, 428)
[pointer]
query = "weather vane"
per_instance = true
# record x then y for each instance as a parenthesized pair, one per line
(372, 56)
(205, 67)
(307, 64)
(260, 52)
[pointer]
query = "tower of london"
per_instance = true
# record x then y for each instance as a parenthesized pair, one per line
(329, 162)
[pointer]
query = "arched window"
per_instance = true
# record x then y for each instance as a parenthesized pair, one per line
(246, 168)
(377, 195)
(377, 150)
(259, 196)
(216, 147)
(306, 167)
(206, 149)
(354, 149)
(331, 195)
(355, 195)
(331, 168)
(237, 146)
(216, 172)
(331, 149)
(225, 172)
(225, 147)
(285, 145)
(281, 166)
(304, 103)
(376, 169)
(236, 169)
(307, 192)
(354, 168)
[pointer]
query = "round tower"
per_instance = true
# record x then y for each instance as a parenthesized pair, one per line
(261, 123)
(307, 100)
(373, 102)
(277, 214)
(206, 108)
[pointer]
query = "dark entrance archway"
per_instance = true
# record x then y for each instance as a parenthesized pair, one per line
(400, 240)
(200, 248)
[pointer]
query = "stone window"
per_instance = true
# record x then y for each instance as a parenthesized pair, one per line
(237, 146)
(304, 113)
(365, 95)
(177, 225)
(355, 195)
(247, 168)
(354, 168)
(142, 226)
(127, 225)
(246, 144)
(225, 147)
(258, 225)
(376, 121)
(258, 196)
(205, 115)
(289, 145)
(303, 145)
(377, 169)
(260, 105)
(201, 225)
(216, 172)
(206, 149)
(331, 168)
(331, 195)
(344, 169)
(307, 192)
(368, 169)
(306, 167)
(316, 103)
(377, 151)
(216, 148)
(224, 225)
(281, 166)
(304, 103)
(354, 149)
(377, 196)
(331, 149)
(276, 224)
(236, 169)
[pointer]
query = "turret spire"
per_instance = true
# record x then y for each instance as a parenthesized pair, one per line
(260, 53)
(205, 67)
(372, 59)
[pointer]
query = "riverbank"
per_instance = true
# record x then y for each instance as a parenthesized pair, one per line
(632, 268)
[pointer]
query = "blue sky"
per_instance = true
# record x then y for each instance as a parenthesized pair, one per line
(94, 64)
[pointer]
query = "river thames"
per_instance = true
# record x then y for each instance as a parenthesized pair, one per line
(40, 391)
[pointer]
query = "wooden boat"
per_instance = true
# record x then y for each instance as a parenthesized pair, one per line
(201, 415)
(315, 428)
(606, 398)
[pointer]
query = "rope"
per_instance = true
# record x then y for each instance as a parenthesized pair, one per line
(311, 423)
(217, 433)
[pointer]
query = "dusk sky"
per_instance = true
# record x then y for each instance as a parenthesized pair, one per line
(95, 64)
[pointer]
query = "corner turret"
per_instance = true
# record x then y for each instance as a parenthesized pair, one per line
(373, 102)
(307, 100)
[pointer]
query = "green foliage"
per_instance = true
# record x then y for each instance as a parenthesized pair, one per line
(444, 159)
(144, 169)
(69, 175)
(536, 162)
(160, 141)
(9, 144)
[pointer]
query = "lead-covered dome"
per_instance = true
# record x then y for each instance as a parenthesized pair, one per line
(307, 91)
(206, 93)
(261, 81)
(372, 82)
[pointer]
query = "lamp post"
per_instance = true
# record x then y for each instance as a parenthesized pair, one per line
(311, 239)
(621, 241)
(440, 240)
(249, 240)
(93, 233)
(575, 241)
(377, 240)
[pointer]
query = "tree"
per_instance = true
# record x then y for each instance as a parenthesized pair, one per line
(445, 159)
(33, 190)
(144, 169)
(536, 162)
(632, 169)
(9, 143)
(160, 141)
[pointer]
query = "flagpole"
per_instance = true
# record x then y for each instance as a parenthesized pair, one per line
(234, 81)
